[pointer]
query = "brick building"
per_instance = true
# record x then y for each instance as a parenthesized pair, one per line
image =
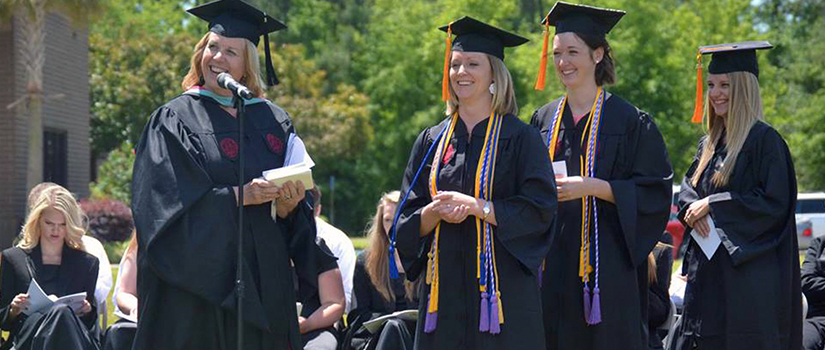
(66, 145)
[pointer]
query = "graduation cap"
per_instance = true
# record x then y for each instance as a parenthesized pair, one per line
(575, 18)
(237, 19)
(473, 35)
(726, 58)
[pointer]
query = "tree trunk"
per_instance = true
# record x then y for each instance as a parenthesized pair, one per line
(31, 23)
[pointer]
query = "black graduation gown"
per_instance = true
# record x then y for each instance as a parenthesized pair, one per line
(632, 157)
(748, 295)
(813, 286)
(369, 304)
(57, 327)
(524, 198)
(186, 218)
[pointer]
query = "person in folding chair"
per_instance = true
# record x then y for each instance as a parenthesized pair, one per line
(51, 257)
(738, 201)
(482, 199)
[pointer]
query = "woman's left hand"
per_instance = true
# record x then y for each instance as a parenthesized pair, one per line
(85, 309)
(574, 187)
(290, 194)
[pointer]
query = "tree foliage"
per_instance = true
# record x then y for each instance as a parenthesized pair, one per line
(361, 78)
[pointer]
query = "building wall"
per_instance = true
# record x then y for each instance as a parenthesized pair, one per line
(65, 72)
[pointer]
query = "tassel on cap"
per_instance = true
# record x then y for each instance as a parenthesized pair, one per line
(699, 104)
(445, 79)
(540, 81)
(271, 78)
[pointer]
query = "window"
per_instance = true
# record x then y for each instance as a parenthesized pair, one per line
(55, 152)
(810, 206)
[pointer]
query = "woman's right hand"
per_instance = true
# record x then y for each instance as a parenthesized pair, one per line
(259, 191)
(18, 304)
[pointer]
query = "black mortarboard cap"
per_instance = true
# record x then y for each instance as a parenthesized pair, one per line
(567, 17)
(735, 57)
(473, 35)
(237, 19)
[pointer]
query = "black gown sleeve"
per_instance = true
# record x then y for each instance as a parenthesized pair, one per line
(643, 199)
(753, 222)
(362, 291)
(8, 286)
(185, 225)
(411, 247)
(90, 277)
(524, 220)
(813, 273)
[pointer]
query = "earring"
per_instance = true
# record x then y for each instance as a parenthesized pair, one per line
(492, 88)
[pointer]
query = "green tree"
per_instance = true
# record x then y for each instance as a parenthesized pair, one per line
(115, 175)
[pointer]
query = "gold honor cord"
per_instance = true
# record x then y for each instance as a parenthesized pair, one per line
(485, 248)
(587, 169)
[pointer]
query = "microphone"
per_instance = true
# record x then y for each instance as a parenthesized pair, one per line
(226, 81)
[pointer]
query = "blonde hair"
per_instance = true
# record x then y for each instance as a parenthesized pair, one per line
(504, 99)
(252, 68)
(60, 199)
(377, 257)
(744, 110)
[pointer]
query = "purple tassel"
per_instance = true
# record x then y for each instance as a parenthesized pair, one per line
(483, 320)
(586, 303)
(596, 312)
(495, 327)
(430, 322)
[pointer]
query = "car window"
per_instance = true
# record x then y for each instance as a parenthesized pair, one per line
(810, 206)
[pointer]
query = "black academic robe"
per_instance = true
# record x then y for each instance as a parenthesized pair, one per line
(76, 273)
(186, 218)
(524, 199)
(813, 286)
(632, 158)
(748, 295)
(369, 304)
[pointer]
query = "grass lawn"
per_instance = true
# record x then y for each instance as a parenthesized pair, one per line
(360, 243)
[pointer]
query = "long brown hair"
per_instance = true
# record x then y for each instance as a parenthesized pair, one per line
(252, 68)
(377, 258)
(744, 110)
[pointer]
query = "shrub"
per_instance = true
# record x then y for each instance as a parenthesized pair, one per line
(109, 220)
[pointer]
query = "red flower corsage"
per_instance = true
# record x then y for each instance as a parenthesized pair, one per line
(229, 148)
(275, 144)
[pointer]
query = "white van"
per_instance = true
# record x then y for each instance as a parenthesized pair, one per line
(812, 206)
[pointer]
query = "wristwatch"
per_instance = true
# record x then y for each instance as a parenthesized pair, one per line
(485, 210)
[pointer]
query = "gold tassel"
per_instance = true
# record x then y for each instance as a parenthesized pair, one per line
(540, 81)
(699, 104)
(445, 79)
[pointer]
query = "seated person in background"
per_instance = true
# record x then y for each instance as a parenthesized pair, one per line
(323, 305)
(52, 253)
(813, 286)
(93, 246)
(338, 243)
(377, 294)
(660, 262)
(121, 335)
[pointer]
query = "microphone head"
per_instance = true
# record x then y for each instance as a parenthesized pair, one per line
(224, 79)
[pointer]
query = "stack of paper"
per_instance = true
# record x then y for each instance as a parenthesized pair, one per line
(38, 300)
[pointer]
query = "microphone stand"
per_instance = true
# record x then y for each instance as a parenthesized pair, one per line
(239, 283)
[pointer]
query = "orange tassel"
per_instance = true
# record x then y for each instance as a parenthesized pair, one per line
(698, 106)
(543, 63)
(445, 80)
